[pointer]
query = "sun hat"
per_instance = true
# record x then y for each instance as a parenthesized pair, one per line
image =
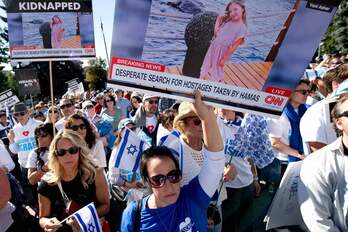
(148, 96)
(185, 111)
(86, 103)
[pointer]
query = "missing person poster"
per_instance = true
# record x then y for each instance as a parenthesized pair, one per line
(7, 99)
(247, 55)
(50, 30)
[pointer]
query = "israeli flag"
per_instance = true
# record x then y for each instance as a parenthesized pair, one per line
(130, 150)
(87, 218)
(172, 141)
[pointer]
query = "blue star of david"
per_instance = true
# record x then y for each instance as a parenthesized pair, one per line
(132, 149)
(91, 227)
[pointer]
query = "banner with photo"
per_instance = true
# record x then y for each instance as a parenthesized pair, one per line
(28, 82)
(50, 30)
(246, 55)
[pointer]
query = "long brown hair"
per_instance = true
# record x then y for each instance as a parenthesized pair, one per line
(226, 17)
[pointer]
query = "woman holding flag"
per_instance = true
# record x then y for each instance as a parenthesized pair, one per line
(71, 183)
(171, 207)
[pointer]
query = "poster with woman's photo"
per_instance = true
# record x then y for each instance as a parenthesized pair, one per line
(50, 30)
(247, 55)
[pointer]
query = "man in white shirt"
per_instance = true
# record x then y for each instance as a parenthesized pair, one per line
(67, 108)
(323, 189)
(316, 126)
(22, 141)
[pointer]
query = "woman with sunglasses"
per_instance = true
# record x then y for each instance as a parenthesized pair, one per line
(77, 122)
(53, 115)
(38, 158)
(73, 177)
(285, 134)
(111, 112)
(172, 207)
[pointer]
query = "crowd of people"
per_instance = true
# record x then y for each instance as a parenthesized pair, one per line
(56, 159)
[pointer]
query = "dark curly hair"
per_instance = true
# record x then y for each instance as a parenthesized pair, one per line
(90, 135)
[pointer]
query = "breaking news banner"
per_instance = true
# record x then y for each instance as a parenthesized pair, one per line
(7, 98)
(28, 82)
(42, 30)
(248, 62)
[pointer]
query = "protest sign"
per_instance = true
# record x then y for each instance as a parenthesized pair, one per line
(250, 62)
(7, 98)
(28, 82)
(285, 208)
(50, 30)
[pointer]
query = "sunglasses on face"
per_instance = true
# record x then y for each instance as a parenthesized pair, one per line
(41, 135)
(302, 91)
(195, 120)
(159, 181)
(89, 107)
(54, 111)
(70, 150)
(66, 105)
(108, 100)
(20, 114)
(76, 127)
(153, 102)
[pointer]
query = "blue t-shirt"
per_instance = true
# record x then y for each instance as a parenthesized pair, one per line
(188, 213)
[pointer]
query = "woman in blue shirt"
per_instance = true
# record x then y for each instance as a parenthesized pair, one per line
(169, 207)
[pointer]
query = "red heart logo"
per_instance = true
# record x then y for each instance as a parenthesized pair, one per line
(25, 133)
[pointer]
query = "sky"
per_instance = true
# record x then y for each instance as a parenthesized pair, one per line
(103, 10)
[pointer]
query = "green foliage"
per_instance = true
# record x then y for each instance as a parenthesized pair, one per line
(8, 81)
(96, 74)
(336, 37)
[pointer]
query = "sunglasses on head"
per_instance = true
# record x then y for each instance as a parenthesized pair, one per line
(196, 121)
(41, 135)
(159, 181)
(76, 127)
(54, 111)
(344, 114)
(66, 105)
(303, 92)
(70, 150)
(153, 102)
(20, 114)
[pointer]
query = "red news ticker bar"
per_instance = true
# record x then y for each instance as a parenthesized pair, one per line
(138, 64)
(22, 48)
(278, 91)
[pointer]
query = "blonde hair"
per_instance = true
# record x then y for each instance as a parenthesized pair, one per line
(86, 166)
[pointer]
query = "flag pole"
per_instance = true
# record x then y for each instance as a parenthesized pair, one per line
(106, 50)
(51, 88)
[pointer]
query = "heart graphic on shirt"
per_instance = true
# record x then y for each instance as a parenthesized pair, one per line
(150, 128)
(25, 133)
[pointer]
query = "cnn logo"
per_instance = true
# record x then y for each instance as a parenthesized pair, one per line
(273, 100)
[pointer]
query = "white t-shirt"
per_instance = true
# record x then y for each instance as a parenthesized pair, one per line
(98, 154)
(60, 124)
(32, 158)
(5, 159)
(151, 123)
(315, 125)
(280, 128)
(244, 175)
(24, 140)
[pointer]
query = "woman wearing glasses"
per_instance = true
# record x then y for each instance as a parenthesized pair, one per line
(285, 132)
(111, 112)
(171, 207)
(77, 122)
(52, 115)
(38, 158)
(73, 179)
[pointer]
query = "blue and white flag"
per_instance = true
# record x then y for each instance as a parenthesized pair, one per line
(87, 218)
(130, 150)
(10, 118)
(172, 141)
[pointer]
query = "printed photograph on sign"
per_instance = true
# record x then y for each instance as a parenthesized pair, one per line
(42, 31)
(246, 54)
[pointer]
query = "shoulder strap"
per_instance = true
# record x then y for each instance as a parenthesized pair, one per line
(138, 215)
(64, 196)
